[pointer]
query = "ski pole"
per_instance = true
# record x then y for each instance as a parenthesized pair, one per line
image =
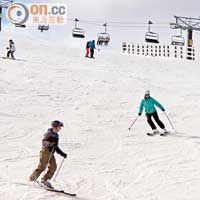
(133, 123)
(59, 169)
(169, 120)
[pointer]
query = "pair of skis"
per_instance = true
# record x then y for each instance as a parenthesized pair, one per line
(37, 184)
(8, 58)
(161, 134)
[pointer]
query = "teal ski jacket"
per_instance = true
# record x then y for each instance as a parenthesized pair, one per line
(149, 105)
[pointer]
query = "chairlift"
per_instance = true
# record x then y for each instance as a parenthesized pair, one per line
(178, 40)
(20, 25)
(151, 37)
(78, 32)
(103, 38)
(4, 4)
(43, 27)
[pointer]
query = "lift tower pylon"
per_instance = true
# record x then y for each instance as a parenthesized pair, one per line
(189, 24)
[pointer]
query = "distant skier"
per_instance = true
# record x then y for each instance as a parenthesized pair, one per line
(87, 49)
(47, 159)
(149, 104)
(92, 47)
(11, 49)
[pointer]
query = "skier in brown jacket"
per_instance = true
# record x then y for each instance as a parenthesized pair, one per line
(47, 159)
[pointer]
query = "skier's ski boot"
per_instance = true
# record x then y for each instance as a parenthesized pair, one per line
(47, 184)
(165, 131)
(155, 131)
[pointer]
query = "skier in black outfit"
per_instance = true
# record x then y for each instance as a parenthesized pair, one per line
(11, 49)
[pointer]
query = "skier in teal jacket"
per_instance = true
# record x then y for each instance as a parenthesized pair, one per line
(149, 104)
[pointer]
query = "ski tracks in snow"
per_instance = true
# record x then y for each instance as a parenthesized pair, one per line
(96, 99)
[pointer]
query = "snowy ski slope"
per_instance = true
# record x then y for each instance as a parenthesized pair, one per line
(97, 100)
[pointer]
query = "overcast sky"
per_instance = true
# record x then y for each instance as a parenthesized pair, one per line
(131, 10)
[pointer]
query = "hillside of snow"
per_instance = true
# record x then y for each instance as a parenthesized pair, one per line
(97, 99)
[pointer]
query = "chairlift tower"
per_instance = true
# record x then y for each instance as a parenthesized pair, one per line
(189, 24)
(4, 4)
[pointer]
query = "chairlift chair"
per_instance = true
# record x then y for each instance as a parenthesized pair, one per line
(20, 25)
(178, 40)
(152, 37)
(43, 28)
(103, 38)
(4, 6)
(78, 33)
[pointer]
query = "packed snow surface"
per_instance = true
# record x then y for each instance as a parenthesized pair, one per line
(97, 99)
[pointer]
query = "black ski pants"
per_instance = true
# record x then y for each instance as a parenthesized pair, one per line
(92, 53)
(10, 53)
(156, 118)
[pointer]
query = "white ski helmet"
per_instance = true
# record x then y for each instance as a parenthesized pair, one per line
(147, 92)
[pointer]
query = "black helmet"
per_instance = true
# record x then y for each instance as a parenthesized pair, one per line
(56, 123)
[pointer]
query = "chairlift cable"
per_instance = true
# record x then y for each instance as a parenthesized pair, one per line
(109, 23)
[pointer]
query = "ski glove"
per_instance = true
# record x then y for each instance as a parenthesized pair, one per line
(163, 110)
(64, 155)
(139, 114)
